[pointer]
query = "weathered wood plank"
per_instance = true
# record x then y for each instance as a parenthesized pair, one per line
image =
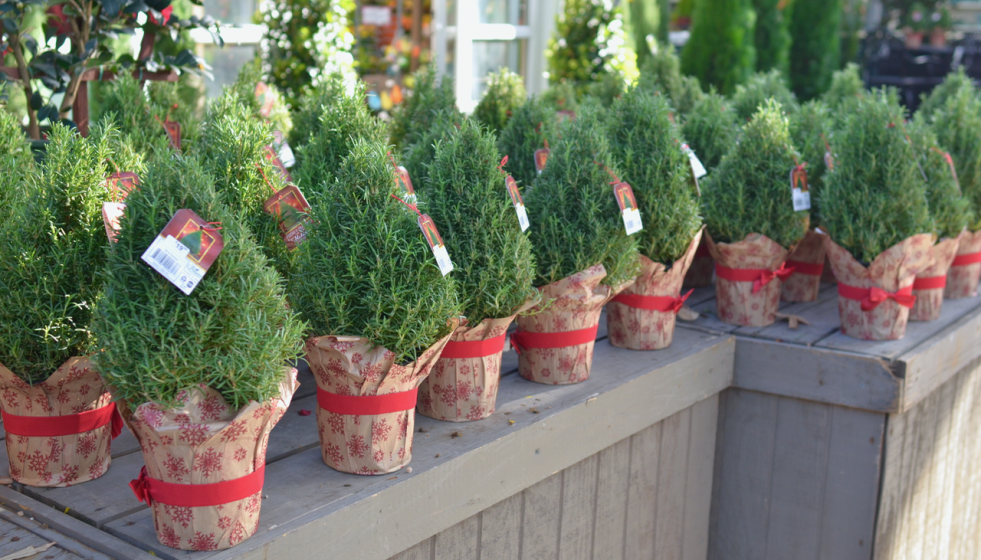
(972, 478)
(698, 486)
(822, 318)
(645, 450)
(672, 470)
(578, 509)
(421, 551)
(15, 539)
(460, 541)
(923, 463)
(500, 535)
(611, 501)
(539, 524)
(741, 491)
(937, 538)
(893, 493)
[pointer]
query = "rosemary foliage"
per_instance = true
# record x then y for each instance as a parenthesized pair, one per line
(954, 83)
(711, 129)
(810, 132)
(951, 211)
(533, 125)
(416, 114)
(956, 125)
(662, 72)
(505, 93)
(418, 156)
(749, 97)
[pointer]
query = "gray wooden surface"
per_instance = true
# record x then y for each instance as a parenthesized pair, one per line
(643, 498)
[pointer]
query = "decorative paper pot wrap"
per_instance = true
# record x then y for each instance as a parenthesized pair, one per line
(555, 346)
(928, 287)
(748, 275)
(366, 402)
(874, 302)
(807, 260)
(205, 465)
(700, 270)
(642, 316)
(59, 431)
(965, 271)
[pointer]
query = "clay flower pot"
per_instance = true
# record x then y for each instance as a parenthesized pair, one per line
(965, 271)
(928, 288)
(59, 431)
(642, 316)
(807, 260)
(749, 274)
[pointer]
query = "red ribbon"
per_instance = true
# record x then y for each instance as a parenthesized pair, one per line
(758, 276)
(149, 490)
(366, 405)
(407, 205)
(525, 339)
(872, 297)
(65, 425)
(474, 348)
(930, 283)
(664, 304)
(969, 258)
(811, 269)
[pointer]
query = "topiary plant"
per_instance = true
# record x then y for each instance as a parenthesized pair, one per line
(711, 129)
(51, 248)
(416, 114)
(875, 196)
(662, 72)
(271, 107)
(956, 125)
(419, 155)
(466, 196)
(139, 114)
(575, 220)
(720, 49)
(233, 333)
(950, 210)
(648, 146)
(505, 93)
(533, 126)
(366, 269)
(846, 85)
(772, 40)
(750, 190)
(953, 84)
(749, 97)
(810, 132)
(814, 53)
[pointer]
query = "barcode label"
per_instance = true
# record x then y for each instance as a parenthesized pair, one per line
(631, 221)
(522, 216)
(168, 256)
(165, 260)
(443, 259)
(802, 200)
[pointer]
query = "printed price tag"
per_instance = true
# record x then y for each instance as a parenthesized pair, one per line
(436, 244)
(173, 130)
(519, 203)
(274, 158)
(541, 158)
(829, 162)
(185, 250)
(283, 150)
(121, 184)
(798, 184)
(290, 208)
(697, 169)
(111, 213)
(402, 180)
(628, 207)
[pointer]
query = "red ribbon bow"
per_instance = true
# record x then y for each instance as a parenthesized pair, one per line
(878, 295)
(679, 302)
(140, 487)
(769, 276)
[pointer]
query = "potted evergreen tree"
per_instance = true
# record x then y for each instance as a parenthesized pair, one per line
(151, 118)
(583, 254)
(720, 51)
(951, 213)
(415, 115)
(752, 219)
(874, 208)
(531, 129)
(505, 93)
(418, 156)
(648, 146)
(379, 308)
(16, 161)
(51, 246)
(200, 376)
(473, 202)
(846, 85)
(662, 72)
(760, 87)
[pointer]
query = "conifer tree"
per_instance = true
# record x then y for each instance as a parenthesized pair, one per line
(772, 39)
(749, 97)
(233, 333)
(50, 250)
(575, 220)
(711, 129)
(419, 155)
(413, 118)
(950, 210)
(810, 132)
(846, 85)
(956, 125)
(648, 146)
(953, 84)
(720, 50)
(875, 196)
(532, 126)
(366, 269)
(750, 191)
(505, 93)
(466, 196)
(662, 72)
(814, 53)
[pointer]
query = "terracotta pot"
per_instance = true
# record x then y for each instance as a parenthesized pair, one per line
(750, 296)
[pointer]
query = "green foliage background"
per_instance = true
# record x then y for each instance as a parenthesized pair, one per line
(720, 50)
(772, 39)
(814, 54)
(533, 124)
(418, 112)
(505, 93)
(950, 210)
(749, 97)
(711, 129)
(956, 125)
(661, 72)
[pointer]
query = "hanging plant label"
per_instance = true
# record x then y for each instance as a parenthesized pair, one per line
(121, 184)
(402, 180)
(274, 158)
(173, 130)
(541, 158)
(628, 207)
(266, 98)
(184, 250)
(519, 203)
(283, 150)
(697, 169)
(111, 213)
(798, 185)
(290, 208)
(436, 244)
(829, 162)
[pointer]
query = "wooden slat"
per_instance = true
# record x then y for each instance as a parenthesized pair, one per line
(500, 535)
(672, 478)
(539, 524)
(822, 318)
(421, 551)
(972, 477)
(578, 510)
(459, 541)
(611, 501)
(936, 540)
(919, 477)
(698, 486)
(645, 450)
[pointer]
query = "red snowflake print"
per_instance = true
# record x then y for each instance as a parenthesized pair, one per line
(334, 453)
(37, 462)
(212, 408)
(401, 453)
(476, 413)
(356, 446)
(371, 372)
(241, 454)
(336, 422)
(182, 515)
(238, 534)
(379, 431)
(343, 390)
(356, 358)
(365, 470)
(152, 416)
(194, 434)
(379, 456)
(98, 468)
(10, 397)
(176, 467)
(546, 372)
(404, 425)
(14, 471)
(168, 537)
(208, 462)
(63, 397)
(464, 390)
(56, 449)
(234, 431)
(148, 445)
(204, 542)
(463, 369)
(254, 503)
(224, 522)
(84, 388)
(69, 474)
(447, 394)
(565, 364)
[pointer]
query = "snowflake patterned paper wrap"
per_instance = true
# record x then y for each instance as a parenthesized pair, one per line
(367, 444)
(736, 302)
(801, 287)
(701, 268)
(894, 269)
(62, 460)
(649, 329)
(202, 441)
(576, 303)
(929, 302)
(962, 281)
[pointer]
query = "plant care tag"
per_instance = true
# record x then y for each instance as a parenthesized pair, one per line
(829, 161)
(798, 185)
(121, 184)
(283, 149)
(184, 250)
(541, 158)
(111, 214)
(519, 203)
(266, 98)
(274, 158)
(697, 169)
(402, 180)
(173, 130)
(628, 207)
(290, 209)
(436, 244)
